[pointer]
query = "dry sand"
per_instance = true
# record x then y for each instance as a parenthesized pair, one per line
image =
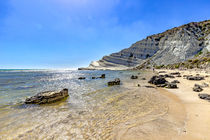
(197, 110)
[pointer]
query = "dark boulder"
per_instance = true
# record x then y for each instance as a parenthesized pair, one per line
(115, 82)
(93, 77)
(47, 97)
(81, 78)
(103, 76)
(143, 79)
(157, 80)
(197, 88)
(134, 77)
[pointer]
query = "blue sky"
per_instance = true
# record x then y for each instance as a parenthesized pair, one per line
(72, 33)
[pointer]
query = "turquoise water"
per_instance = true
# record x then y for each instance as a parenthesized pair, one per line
(16, 85)
(18, 119)
(92, 111)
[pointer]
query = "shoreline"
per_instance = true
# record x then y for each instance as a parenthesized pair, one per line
(197, 110)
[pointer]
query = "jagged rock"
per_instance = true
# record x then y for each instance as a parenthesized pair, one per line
(197, 88)
(134, 77)
(196, 78)
(81, 78)
(175, 81)
(204, 96)
(47, 97)
(115, 82)
(157, 80)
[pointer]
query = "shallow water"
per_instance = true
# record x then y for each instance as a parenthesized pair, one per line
(92, 111)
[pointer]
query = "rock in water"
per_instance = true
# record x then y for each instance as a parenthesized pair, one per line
(134, 77)
(81, 78)
(115, 82)
(103, 76)
(47, 97)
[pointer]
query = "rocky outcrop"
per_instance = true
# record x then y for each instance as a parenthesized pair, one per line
(180, 43)
(47, 97)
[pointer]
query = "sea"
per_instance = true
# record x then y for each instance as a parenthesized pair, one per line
(93, 110)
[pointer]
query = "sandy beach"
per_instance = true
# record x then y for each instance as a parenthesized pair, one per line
(197, 110)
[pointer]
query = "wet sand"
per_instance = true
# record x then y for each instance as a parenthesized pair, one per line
(197, 110)
(167, 125)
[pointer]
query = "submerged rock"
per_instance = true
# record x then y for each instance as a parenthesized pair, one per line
(134, 77)
(115, 82)
(47, 97)
(197, 88)
(81, 78)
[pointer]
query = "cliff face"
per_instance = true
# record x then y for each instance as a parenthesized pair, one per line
(172, 46)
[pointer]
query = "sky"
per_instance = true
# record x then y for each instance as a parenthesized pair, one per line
(72, 33)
